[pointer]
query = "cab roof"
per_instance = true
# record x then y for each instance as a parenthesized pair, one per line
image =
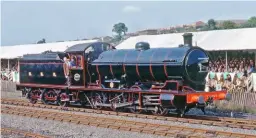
(80, 48)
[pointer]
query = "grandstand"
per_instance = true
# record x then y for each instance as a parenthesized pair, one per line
(216, 40)
(235, 39)
(10, 52)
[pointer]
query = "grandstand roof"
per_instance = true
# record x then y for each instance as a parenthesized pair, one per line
(234, 39)
(9, 52)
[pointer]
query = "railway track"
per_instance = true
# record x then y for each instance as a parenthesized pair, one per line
(118, 124)
(205, 120)
(23, 133)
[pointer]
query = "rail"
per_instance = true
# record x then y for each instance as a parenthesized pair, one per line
(205, 120)
(21, 132)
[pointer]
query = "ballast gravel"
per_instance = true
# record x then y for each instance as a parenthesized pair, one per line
(64, 130)
(8, 135)
(163, 122)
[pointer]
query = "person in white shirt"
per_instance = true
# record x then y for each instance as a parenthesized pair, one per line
(66, 67)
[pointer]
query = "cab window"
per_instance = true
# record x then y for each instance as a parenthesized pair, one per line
(76, 61)
(89, 50)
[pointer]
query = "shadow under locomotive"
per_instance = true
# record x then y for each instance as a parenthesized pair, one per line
(140, 79)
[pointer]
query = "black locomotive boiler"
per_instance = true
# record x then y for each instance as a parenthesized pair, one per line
(143, 65)
(140, 79)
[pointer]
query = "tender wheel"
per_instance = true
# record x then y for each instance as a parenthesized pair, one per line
(159, 110)
(49, 97)
(33, 96)
(62, 100)
(33, 101)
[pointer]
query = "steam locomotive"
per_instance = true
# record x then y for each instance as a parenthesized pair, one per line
(141, 79)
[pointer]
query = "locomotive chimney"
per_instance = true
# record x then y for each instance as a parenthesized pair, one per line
(187, 37)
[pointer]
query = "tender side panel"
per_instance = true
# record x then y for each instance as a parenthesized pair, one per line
(42, 73)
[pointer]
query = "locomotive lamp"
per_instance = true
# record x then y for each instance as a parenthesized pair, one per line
(54, 74)
(41, 74)
(111, 85)
(187, 37)
(200, 100)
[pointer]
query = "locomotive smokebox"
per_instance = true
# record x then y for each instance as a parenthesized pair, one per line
(142, 46)
(187, 37)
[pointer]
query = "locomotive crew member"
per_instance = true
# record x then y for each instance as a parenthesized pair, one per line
(73, 62)
(66, 66)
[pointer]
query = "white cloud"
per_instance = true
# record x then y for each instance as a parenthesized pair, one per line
(131, 9)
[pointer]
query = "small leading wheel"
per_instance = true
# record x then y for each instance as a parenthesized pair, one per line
(159, 110)
(180, 112)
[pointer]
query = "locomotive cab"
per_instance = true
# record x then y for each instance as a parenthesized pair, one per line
(81, 55)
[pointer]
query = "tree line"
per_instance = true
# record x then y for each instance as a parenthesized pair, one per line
(211, 24)
(120, 29)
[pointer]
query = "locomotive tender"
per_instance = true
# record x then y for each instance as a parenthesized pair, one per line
(140, 79)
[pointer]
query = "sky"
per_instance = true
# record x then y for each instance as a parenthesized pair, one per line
(28, 22)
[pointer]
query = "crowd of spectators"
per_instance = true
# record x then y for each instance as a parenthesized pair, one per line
(7, 74)
(233, 65)
(232, 76)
